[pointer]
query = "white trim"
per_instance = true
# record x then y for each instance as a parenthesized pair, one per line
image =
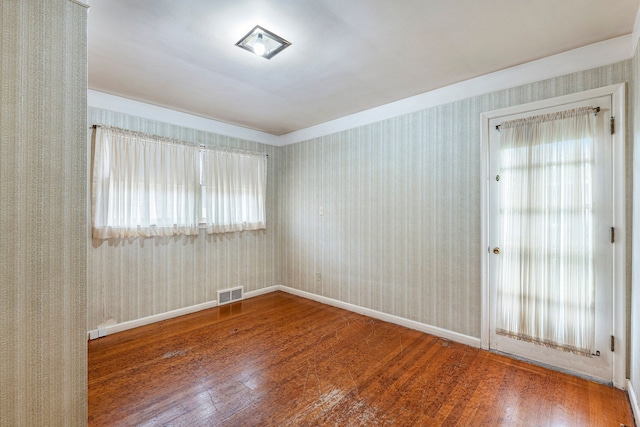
(618, 93)
(83, 3)
(595, 55)
(110, 102)
(619, 268)
(262, 291)
(633, 399)
(584, 58)
(453, 336)
(119, 327)
(485, 293)
(411, 324)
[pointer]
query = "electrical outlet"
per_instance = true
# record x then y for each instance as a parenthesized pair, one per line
(318, 277)
(321, 210)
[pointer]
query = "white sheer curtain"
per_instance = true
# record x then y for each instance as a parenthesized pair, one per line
(143, 185)
(546, 286)
(235, 188)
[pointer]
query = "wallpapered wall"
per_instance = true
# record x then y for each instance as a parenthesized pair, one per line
(401, 229)
(43, 339)
(634, 342)
(134, 278)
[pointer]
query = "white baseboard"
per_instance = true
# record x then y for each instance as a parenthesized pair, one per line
(119, 327)
(262, 291)
(633, 398)
(411, 324)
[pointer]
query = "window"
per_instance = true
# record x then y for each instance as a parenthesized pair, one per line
(145, 185)
(235, 185)
(546, 285)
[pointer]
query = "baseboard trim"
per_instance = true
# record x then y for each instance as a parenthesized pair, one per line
(262, 291)
(119, 327)
(411, 324)
(633, 399)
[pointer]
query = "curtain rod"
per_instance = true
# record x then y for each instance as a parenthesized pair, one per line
(178, 141)
(595, 110)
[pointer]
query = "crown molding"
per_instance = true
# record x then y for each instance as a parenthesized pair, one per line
(84, 3)
(581, 59)
(110, 102)
(584, 58)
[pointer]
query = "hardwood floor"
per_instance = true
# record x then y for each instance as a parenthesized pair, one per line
(281, 360)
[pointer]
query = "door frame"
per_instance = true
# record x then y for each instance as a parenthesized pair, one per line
(618, 94)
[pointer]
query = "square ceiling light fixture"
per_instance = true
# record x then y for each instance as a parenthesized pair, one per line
(263, 42)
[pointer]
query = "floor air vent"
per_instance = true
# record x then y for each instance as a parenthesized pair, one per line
(230, 295)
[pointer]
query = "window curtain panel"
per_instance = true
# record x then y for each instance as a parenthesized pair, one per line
(546, 289)
(235, 187)
(143, 185)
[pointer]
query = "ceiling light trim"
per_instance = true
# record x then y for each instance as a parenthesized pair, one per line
(271, 42)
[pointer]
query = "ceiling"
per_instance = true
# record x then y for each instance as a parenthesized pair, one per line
(346, 56)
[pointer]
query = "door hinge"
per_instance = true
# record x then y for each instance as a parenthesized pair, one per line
(613, 234)
(613, 125)
(613, 343)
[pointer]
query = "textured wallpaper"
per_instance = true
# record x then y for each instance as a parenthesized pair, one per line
(385, 216)
(43, 347)
(401, 199)
(635, 292)
(129, 279)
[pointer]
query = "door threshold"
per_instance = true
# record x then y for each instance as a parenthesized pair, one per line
(554, 368)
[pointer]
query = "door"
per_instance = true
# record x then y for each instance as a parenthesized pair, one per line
(551, 252)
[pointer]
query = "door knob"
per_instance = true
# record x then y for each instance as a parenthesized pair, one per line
(496, 250)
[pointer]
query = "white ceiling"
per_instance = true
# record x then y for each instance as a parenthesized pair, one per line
(346, 55)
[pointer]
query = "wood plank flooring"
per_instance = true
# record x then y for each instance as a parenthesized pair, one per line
(280, 360)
